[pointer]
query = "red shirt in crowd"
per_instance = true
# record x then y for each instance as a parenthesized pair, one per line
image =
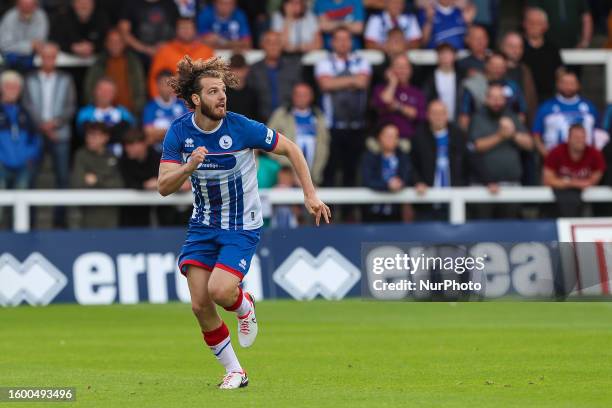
(559, 161)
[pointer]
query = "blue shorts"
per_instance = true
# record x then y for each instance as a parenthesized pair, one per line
(209, 248)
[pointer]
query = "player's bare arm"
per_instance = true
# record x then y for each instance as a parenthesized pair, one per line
(313, 204)
(173, 175)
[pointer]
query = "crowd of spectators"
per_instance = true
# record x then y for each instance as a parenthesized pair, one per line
(498, 108)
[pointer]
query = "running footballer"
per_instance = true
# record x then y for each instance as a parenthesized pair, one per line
(213, 148)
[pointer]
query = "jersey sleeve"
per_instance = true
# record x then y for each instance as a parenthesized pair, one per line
(259, 136)
(171, 147)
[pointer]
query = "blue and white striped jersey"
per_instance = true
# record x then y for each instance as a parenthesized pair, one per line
(225, 185)
(556, 115)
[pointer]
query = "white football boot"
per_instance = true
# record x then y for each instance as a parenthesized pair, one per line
(234, 380)
(247, 325)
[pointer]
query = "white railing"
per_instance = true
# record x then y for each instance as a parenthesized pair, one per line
(418, 57)
(457, 198)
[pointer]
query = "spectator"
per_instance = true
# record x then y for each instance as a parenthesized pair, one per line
(440, 158)
(512, 48)
(116, 117)
(298, 27)
(95, 168)
(50, 98)
(474, 90)
(124, 68)
(444, 22)
(571, 24)
(343, 78)
(439, 153)
(304, 124)
(274, 77)
(393, 16)
(81, 28)
(571, 167)
(146, 24)
(23, 29)
(161, 111)
(224, 26)
(445, 82)
(241, 99)
(556, 115)
(541, 55)
(285, 216)
(395, 45)
(139, 167)
(397, 101)
(170, 53)
(340, 13)
(19, 144)
(477, 41)
(499, 136)
(386, 167)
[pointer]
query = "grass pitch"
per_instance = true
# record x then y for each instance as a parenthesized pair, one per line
(319, 354)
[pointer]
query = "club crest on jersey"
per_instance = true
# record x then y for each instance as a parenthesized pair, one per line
(225, 142)
(189, 142)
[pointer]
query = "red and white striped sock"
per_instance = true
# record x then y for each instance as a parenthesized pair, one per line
(242, 306)
(221, 345)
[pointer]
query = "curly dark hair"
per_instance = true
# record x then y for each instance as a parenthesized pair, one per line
(187, 80)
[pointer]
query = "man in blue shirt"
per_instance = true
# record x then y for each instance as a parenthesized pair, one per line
(213, 149)
(224, 26)
(161, 111)
(20, 146)
(556, 115)
(116, 117)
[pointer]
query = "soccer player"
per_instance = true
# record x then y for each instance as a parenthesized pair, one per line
(214, 149)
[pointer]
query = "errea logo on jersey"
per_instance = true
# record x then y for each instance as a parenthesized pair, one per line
(225, 142)
(189, 142)
(269, 136)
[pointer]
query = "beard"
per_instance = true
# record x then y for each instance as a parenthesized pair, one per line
(212, 112)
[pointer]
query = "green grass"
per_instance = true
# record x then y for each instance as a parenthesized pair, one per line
(319, 354)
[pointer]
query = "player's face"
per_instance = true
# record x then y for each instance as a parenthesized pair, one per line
(213, 99)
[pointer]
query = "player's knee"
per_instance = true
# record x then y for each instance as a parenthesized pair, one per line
(221, 294)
